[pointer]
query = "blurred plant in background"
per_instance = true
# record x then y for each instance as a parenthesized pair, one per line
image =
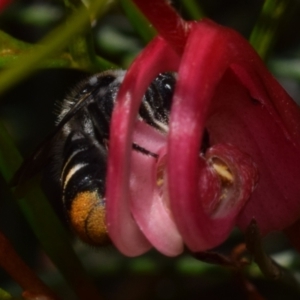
(45, 48)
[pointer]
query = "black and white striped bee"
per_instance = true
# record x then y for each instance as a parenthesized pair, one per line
(79, 146)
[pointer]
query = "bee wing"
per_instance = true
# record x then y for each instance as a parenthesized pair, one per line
(34, 163)
(41, 156)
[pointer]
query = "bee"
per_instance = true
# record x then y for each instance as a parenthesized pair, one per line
(79, 146)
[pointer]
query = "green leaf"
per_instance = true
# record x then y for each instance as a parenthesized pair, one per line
(5, 295)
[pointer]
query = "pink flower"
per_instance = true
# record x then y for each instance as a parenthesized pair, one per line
(251, 167)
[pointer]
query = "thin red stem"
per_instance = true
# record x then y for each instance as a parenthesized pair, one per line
(11, 262)
(4, 3)
(167, 22)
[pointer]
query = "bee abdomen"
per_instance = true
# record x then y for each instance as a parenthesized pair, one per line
(87, 217)
(83, 187)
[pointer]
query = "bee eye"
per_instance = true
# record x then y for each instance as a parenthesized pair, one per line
(166, 84)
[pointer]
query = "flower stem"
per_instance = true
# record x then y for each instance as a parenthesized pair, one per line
(270, 268)
(166, 20)
(11, 262)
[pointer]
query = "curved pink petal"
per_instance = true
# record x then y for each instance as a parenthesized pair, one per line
(150, 204)
(149, 195)
(202, 67)
(274, 203)
(204, 83)
(148, 137)
(124, 232)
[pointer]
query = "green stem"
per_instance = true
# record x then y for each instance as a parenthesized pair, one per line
(265, 32)
(54, 42)
(270, 268)
(193, 9)
(138, 20)
(81, 46)
(11, 49)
